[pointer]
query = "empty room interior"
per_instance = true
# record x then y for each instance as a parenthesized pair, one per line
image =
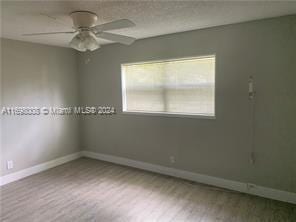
(148, 111)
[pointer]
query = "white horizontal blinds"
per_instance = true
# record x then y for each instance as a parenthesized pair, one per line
(144, 87)
(177, 86)
(190, 86)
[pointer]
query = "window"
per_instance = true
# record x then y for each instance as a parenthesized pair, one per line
(180, 86)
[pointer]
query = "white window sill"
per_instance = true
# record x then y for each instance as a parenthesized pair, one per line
(180, 115)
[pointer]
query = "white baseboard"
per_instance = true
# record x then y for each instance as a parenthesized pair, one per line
(37, 168)
(200, 178)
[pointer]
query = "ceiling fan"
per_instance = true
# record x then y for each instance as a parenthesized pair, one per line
(86, 31)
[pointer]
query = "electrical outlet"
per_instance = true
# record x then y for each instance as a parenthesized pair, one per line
(172, 159)
(9, 164)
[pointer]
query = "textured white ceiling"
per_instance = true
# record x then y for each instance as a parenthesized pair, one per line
(152, 18)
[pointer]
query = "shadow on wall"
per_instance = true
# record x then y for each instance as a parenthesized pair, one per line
(44, 77)
(34, 136)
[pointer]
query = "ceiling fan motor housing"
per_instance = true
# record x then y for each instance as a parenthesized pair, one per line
(84, 19)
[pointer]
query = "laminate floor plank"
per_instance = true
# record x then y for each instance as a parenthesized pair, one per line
(87, 190)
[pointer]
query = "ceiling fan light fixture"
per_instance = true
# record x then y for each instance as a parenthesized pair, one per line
(90, 41)
(77, 44)
(91, 46)
(85, 40)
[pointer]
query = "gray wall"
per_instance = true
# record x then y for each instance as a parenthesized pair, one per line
(37, 75)
(221, 147)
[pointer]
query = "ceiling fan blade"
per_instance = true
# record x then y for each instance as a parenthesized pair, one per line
(49, 33)
(118, 24)
(116, 38)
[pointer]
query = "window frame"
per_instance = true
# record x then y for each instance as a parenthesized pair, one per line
(166, 114)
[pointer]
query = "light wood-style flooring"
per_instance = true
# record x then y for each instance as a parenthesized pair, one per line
(87, 190)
